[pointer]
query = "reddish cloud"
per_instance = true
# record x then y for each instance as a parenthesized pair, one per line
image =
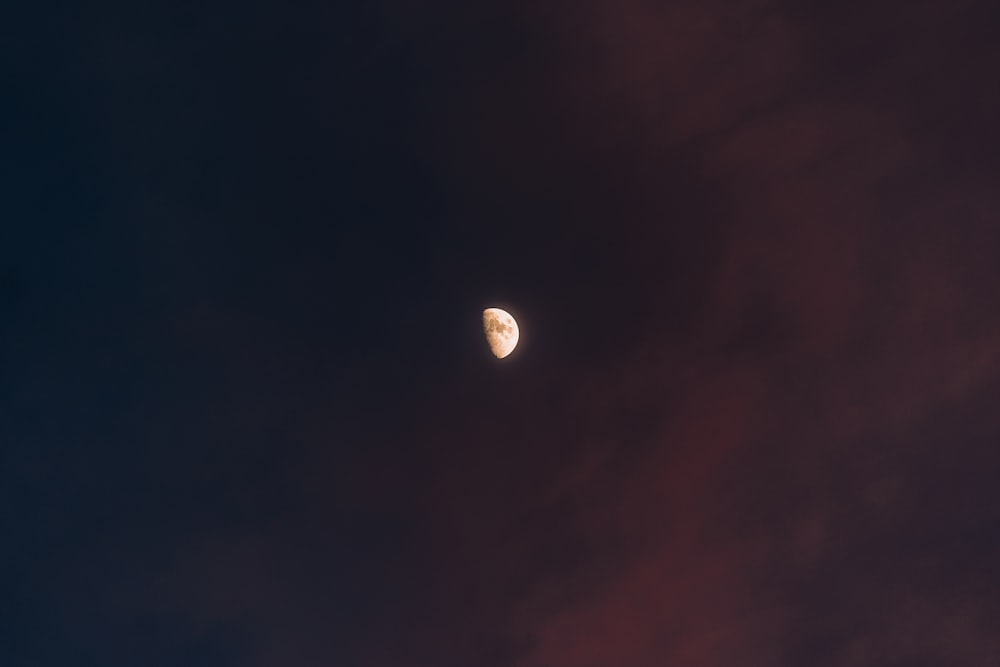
(750, 491)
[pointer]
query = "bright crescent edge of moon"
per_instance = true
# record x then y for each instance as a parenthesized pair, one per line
(501, 331)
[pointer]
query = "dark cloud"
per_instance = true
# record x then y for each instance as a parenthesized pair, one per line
(748, 478)
(752, 252)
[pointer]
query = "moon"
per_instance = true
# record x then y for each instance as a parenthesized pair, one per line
(501, 331)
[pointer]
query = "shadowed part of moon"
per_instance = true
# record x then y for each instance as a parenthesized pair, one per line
(501, 331)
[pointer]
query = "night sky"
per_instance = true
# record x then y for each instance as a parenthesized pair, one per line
(248, 416)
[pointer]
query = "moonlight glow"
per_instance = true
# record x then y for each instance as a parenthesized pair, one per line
(501, 331)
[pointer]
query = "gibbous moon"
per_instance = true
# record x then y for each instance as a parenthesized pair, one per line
(501, 331)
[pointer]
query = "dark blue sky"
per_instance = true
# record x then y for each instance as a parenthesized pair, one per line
(247, 415)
